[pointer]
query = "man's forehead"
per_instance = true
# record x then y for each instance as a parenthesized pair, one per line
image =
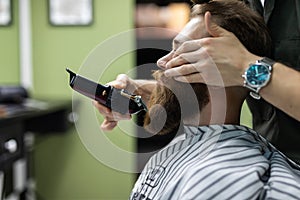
(194, 29)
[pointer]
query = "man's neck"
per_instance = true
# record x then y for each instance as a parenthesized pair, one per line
(221, 110)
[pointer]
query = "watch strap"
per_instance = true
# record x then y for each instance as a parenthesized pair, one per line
(268, 61)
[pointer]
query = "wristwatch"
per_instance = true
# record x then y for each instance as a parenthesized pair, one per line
(258, 75)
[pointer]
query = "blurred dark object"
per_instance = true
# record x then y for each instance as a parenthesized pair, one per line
(19, 123)
(12, 94)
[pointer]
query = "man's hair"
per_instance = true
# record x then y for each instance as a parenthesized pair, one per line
(232, 15)
(235, 16)
(179, 100)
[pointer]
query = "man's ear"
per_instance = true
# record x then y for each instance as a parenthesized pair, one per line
(212, 28)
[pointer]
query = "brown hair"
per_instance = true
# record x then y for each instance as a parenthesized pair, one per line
(236, 17)
(179, 100)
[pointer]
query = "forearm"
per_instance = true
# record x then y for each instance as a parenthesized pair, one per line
(283, 91)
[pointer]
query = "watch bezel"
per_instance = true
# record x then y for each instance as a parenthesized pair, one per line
(266, 66)
(266, 62)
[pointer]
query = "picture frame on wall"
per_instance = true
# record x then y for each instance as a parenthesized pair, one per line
(70, 12)
(5, 12)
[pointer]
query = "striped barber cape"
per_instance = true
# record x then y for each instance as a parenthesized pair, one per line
(218, 162)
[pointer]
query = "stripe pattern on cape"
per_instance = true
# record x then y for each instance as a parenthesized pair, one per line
(218, 162)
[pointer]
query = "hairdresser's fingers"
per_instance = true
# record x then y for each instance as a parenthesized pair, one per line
(110, 122)
(108, 125)
(177, 61)
(208, 77)
(126, 83)
(198, 55)
(102, 109)
(181, 71)
(120, 82)
(115, 116)
(191, 78)
(188, 46)
(185, 58)
(164, 60)
(110, 115)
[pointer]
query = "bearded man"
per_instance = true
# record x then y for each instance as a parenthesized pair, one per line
(214, 157)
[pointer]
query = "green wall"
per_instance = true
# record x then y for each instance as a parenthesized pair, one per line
(9, 50)
(64, 169)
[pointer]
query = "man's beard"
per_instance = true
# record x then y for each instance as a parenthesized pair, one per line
(171, 102)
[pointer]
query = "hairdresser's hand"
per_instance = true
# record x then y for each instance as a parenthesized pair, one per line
(219, 60)
(111, 118)
(138, 87)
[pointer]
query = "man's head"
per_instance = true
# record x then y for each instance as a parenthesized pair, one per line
(235, 16)
(176, 97)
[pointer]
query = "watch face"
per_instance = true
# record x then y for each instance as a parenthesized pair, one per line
(258, 75)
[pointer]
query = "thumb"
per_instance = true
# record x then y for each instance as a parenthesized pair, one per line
(212, 28)
(120, 82)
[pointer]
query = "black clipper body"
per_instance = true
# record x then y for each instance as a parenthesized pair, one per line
(116, 99)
